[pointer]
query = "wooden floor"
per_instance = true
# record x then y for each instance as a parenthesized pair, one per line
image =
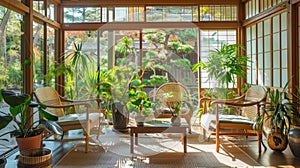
(268, 158)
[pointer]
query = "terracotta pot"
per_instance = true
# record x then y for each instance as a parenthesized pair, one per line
(29, 142)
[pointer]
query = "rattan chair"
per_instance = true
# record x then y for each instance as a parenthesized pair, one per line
(238, 122)
(58, 105)
(179, 94)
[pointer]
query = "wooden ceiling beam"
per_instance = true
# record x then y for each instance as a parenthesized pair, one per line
(39, 17)
(15, 5)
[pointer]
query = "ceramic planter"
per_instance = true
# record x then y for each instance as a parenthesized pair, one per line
(294, 140)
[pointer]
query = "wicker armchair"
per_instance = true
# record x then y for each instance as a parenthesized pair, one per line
(58, 105)
(241, 122)
(180, 94)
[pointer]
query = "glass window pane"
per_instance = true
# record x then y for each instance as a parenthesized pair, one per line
(253, 76)
(129, 14)
(38, 49)
(276, 78)
(267, 27)
(260, 77)
(51, 10)
(260, 61)
(284, 77)
(260, 45)
(267, 61)
(283, 21)
(254, 61)
(10, 51)
(104, 14)
(82, 14)
(50, 54)
(170, 13)
(276, 41)
(253, 46)
(38, 6)
(284, 39)
(276, 59)
(248, 77)
(267, 43)
(253, 32)
(257, 7)
(267, 76)
(85, 76)
(248, 33)
(248, 48)
(211, 40)
(218, 13)
(276, 23)
(284, 59)
(260, 29)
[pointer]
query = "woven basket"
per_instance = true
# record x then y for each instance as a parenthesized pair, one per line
(35, 158)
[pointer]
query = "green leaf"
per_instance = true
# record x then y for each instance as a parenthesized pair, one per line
(15, 99)
(5, 120)
(16, 110)
(48, 115)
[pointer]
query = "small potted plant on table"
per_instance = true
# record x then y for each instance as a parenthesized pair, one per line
(138, 99)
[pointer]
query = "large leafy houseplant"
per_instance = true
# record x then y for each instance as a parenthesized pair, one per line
(19, 105)
(224, 65)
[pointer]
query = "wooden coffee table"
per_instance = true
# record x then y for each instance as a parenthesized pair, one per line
(134, 131)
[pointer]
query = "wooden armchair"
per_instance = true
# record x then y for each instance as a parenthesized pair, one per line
(180, 94)
(86, 119)
(247, 107)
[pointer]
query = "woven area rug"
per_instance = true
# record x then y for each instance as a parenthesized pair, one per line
(155, 150)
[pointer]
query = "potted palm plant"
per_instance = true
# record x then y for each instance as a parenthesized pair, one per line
(23, 130)
(276, 118)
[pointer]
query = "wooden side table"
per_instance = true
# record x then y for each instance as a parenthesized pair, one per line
(134, 131)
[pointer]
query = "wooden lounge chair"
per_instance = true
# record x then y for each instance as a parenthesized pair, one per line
(218, 122)
(58, 105)
(180, 94)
